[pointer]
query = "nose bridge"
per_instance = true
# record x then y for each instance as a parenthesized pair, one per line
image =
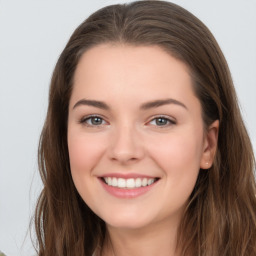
(126, 143)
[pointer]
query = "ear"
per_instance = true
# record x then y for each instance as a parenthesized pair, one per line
(210, 145)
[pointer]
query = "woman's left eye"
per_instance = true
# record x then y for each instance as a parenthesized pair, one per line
(162, 121)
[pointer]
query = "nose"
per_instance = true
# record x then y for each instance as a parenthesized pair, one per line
(126, 145)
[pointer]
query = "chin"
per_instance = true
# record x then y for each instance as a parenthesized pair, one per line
(128, 220)
(128, 224)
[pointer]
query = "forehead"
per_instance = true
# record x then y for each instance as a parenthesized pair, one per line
(131, 73)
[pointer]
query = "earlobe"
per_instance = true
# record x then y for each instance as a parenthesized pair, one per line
(210, 145)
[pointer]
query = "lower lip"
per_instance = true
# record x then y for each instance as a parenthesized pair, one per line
(127, 192)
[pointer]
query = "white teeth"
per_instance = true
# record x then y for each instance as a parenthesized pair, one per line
(121, 183)
(114, 182)
(150, 181)
(144, 182)
(138, 182)
(128, 183)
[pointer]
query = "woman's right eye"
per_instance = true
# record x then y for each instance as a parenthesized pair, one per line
(93, 121)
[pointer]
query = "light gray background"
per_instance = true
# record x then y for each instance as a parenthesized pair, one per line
(32, 35)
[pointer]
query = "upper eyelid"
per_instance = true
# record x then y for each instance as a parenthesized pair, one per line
(84, 118)
(92, 115)
(171, 119)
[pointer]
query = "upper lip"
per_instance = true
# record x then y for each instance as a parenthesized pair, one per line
(127, 175)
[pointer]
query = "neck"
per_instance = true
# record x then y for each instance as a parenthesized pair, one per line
(158, 239)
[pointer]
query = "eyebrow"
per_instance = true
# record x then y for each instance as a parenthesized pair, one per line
(93, 103)
(144, 106)
(159, 103)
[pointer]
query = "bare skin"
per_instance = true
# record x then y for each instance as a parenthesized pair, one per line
(133, 113)
(142, 242)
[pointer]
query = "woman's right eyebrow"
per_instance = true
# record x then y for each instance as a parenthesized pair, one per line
(93, 103)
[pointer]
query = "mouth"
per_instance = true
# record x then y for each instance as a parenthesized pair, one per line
(130, 183)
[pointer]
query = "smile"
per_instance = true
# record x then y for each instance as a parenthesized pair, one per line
(129, 183)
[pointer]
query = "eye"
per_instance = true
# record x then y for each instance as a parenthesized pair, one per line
(162, 121)
(93, 121)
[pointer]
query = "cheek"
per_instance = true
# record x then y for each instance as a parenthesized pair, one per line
(180, 150)
(180, 161)
(186, 152)
(179, 157)
(84, 153)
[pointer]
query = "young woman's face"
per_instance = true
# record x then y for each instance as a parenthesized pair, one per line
(135, 135)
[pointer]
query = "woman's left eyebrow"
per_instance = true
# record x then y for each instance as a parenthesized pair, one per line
(161, 102)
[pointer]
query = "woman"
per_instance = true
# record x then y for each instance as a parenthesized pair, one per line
(144, 151)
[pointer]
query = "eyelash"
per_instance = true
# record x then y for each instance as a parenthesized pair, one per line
(169, 121)
(85, 119)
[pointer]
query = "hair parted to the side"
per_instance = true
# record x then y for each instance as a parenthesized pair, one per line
(220, 218)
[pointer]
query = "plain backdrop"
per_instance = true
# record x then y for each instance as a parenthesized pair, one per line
(32, 35)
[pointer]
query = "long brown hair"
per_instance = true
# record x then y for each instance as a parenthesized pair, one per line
(220, 217)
